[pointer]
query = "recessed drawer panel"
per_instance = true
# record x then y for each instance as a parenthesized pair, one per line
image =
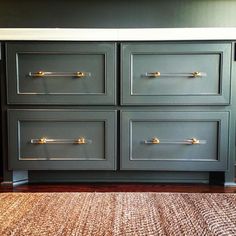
(76, 140)
(61, 73)
(180, 73)
(185, 141)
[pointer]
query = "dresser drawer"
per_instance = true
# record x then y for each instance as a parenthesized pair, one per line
(176, 73)
(62, 140)
(61, 73)
(182, 141)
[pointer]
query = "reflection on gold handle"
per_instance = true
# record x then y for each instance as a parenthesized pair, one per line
(43, 74)
(42, 141)
(80, 140)
(191, 141)
(195, 74)
(39, 74)
(155, 140)
(195, 141)
(80, 74)
(154, 74)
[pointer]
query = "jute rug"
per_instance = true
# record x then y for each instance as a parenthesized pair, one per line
(23, 214)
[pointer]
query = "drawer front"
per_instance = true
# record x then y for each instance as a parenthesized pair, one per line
(186, 141)
(54, 140)
(176, 73)
(61, 73)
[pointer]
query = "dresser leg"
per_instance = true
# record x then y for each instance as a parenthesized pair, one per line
(15, 178)
(217, 178)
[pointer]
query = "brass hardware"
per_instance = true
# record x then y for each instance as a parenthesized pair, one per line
(47, 74)
(39, 74)
(39, 141)
(195, 141)
(80, 74)
(155, 74)
(42, 141)
(155, 140)
(191, 141)
(197, 74)
(80, 141)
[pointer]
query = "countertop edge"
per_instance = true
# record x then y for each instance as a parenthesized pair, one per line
(117, 34)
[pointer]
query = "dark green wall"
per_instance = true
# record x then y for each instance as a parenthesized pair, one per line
(115, 13)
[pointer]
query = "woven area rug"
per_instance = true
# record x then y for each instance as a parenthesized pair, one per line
(23, 214)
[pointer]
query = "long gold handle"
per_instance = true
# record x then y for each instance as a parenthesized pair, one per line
(44, 74)
(195, 74)
(80, 140)
(191, 141)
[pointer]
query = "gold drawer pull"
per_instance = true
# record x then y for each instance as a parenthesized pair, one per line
(155, 140)
(191, 141)
(195, 141)
(37, 74)
(80, 140)
(195, 74)
(153, 74)
(43, 74)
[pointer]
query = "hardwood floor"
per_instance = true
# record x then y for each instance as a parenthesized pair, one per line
(122, 187)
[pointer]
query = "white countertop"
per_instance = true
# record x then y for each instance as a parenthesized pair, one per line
(118, 34)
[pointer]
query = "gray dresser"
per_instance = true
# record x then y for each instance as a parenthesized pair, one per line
(119, 111)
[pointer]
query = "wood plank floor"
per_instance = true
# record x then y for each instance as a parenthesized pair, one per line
(122, 187)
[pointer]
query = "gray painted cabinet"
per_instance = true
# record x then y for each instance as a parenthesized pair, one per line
(61, 73)
(187, 141)
(173, 112)
(175, 73)
(62, 140)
